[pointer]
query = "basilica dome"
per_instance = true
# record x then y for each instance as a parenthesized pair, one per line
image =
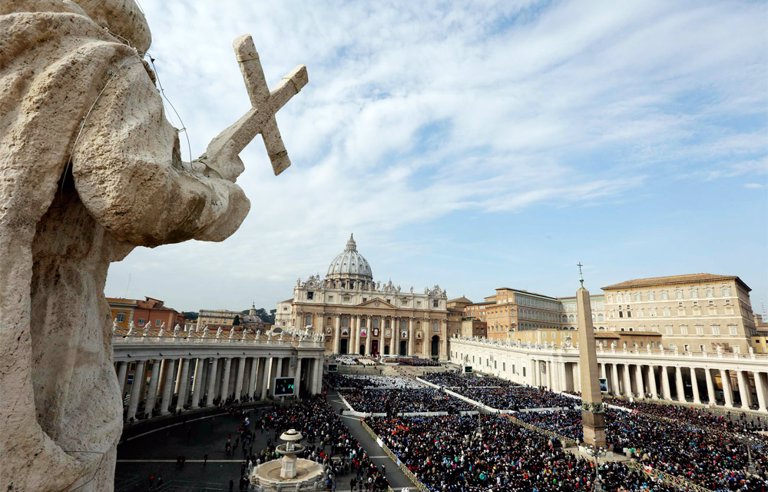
(350, 264)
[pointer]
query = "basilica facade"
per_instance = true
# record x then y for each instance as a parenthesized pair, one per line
(357, 315)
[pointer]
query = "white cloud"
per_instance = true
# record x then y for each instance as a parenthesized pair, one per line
(416, 110)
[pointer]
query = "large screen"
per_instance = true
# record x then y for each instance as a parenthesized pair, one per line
(285, 386)
(467, 368)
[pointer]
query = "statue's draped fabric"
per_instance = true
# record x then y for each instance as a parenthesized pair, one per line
(89, 169)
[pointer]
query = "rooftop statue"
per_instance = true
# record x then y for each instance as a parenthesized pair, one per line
(83, 130)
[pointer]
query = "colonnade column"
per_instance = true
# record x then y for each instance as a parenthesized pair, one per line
(265, 379)
(337, 335)
(665, 383)
(170, 371)
(317, 376)
(225, 379)
(760, 389)
(695, 386)
(212, 382)
(652, 382)
(639, 381)
(152, 390)
(744, 393)
(679, 384)
(297, 377)
(184, 384)
(122, 371)
(197, 389)
(252, 377)
(239, 380)
(411, 341)
(138, 378)
(627, 381)
(710, 387)
(615, 380)
(726, 382)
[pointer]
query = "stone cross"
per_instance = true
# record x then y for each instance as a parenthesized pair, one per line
(265, 103)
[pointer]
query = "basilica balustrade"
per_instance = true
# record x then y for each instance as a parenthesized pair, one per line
(170, 371)
(720, 379)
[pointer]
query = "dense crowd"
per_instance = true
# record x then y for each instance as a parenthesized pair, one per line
(717, 460)
(500, 394)
(696, 416)
(329, 442)
(359, 381)
(447, 454)
(406, 400)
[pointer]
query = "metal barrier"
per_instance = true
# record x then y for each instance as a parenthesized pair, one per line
(567, 441)
(408, 473)
(674, 480)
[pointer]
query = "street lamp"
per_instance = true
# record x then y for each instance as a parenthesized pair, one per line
(598, 452)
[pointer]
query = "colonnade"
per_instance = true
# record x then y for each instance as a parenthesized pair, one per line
(160, 386)
(384, 335)
(730, 381)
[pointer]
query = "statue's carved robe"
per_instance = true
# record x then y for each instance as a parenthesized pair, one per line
(73, 198)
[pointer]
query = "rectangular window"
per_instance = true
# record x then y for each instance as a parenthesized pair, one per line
(732, 329)
(435, 303)
(158, 322)
(120, 317)
(141, 321)
(310, 295)
(683, 330)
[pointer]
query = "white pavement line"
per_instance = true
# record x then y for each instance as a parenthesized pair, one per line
(174, 425)
(350, 417)
(186, 461)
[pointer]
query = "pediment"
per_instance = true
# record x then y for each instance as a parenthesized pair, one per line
(377, 303)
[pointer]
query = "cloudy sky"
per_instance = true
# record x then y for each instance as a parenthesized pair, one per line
(476, 144)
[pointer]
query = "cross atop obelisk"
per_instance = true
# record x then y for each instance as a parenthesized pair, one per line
(581, 274)
(264, 104)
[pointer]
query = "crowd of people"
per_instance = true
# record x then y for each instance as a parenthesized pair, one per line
(364, 381)
(455, 454)
(393, 401)
(501, 394)
(328, 442)
(716, 458)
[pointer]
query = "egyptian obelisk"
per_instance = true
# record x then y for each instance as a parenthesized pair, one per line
(592, 409)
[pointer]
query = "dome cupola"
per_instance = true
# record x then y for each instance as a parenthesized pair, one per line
(350, 264)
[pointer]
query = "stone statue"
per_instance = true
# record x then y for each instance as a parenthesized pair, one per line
(83, 129)
(131, 326)
(114, 326)
(145, 331)
(218, 332)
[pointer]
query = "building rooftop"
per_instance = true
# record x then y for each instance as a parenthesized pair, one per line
(675, 279)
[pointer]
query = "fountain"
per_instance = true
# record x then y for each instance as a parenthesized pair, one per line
(289, 472)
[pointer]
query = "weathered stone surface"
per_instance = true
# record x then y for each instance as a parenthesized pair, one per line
(89, 169)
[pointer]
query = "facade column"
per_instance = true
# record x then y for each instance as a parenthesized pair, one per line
(652, 382)
(279, 370)
(710, 387)
(183, 386)
(197, 389)
(122, 372)
(212, 382)
(369, 335)
(760, 390)
(297, 377)
(443, 347)
(354, 346)
(695, 386)
(394, 341)
(639, 381)
(726, 382)
(615, 380)
(665, 384)
(252, 377)
(239, 380)
(138, 379)
(411, 340)
(603, 371)
(170, 372)
(744, 393)
(679, 384)
(225, 379)
(337, 335)
(154, 379)
(627, 381)
(550, 376)
(426, 338)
